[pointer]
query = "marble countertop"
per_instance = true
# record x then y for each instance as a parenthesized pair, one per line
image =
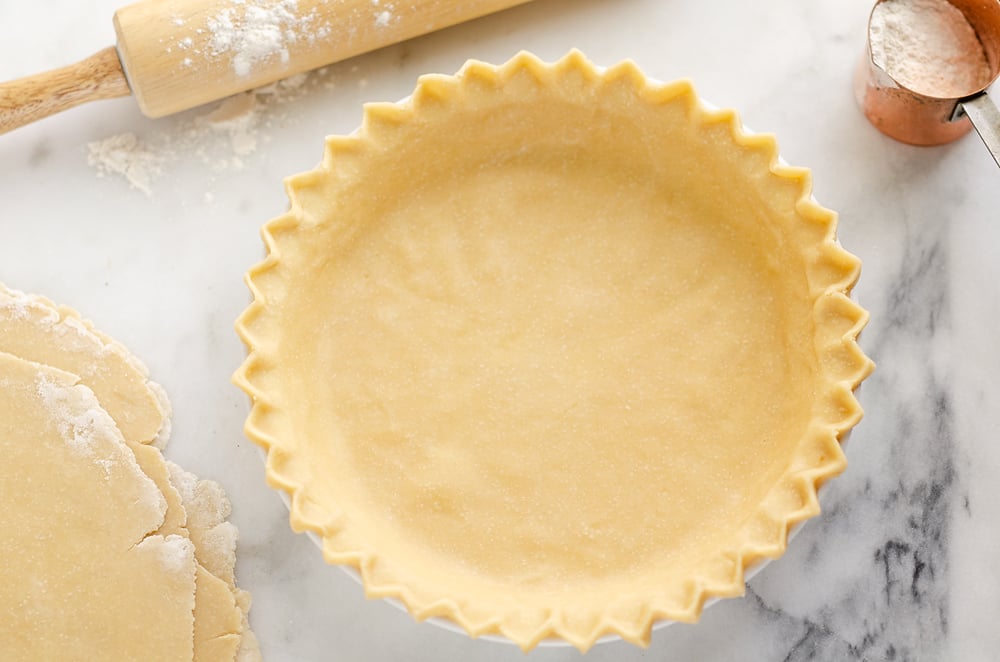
(901, 564)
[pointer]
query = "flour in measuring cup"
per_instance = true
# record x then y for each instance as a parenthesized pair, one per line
(929, 47)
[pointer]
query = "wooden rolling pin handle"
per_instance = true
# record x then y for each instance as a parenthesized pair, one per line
(29, 99)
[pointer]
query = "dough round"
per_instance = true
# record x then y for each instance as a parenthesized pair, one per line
(80, 568)
(37, 330)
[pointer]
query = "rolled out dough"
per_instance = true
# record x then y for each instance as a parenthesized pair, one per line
(36, 329)
(82, 574)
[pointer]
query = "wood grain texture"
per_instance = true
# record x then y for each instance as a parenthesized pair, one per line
(183, 53)
(29, 99)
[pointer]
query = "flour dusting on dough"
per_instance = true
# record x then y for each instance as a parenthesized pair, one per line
(80, 429)
(163, 436)
(20, 306)
(16, 305)
(175, 552)
(35, 332)
(207, 508)
(73, 334)
(205, 500)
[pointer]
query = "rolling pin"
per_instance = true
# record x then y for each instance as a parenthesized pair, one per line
(173, 55)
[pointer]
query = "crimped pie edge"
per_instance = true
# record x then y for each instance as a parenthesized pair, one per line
(831, 277)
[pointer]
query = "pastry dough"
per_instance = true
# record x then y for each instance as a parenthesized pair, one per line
(36, 329)
(552, 352)
(33, 326)
(215, 545)
(82, 575)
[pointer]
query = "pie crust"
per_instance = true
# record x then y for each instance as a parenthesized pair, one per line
(552, 351)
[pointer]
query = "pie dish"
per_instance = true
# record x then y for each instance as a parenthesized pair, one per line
(552, 351)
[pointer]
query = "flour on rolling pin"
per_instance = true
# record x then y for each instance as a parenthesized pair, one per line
(178, 54)
(250, 33)
(173, 55)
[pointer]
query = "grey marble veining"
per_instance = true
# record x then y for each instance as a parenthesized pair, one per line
(901, 565)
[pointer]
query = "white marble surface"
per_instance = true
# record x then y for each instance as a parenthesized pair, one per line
(902, 564)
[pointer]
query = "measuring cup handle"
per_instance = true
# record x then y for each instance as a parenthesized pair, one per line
(985, 118)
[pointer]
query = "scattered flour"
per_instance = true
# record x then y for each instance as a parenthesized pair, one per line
(232, 128)
(928, 46)
(124, 155)
(237, 118)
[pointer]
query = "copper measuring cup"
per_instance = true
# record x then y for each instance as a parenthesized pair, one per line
(922, 119)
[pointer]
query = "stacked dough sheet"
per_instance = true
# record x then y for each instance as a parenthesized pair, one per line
(108, 552)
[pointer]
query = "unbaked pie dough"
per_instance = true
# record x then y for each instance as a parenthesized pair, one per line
(112, 400)
(549, 351)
